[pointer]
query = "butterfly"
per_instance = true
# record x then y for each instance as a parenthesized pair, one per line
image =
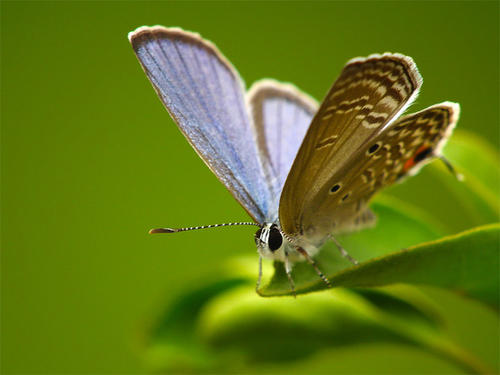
(303, 172)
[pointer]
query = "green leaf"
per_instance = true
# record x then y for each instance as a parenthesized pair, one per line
(467, 263)
(174, 343)
(252, 330)
(224, 327)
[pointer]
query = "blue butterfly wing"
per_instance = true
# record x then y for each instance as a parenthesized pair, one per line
(282, 115)
(205, 96)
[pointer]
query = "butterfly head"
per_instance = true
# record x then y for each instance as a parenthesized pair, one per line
(270, 241)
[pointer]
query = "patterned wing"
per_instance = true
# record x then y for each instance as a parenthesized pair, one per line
(205, 96)
(369, 94)
(399, 151)
(282, 114)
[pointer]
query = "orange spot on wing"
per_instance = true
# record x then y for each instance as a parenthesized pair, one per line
(410, 163)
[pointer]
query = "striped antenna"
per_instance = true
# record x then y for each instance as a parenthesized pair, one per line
(175, 230)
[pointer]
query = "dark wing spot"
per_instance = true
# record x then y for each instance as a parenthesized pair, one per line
(439, 118)
(335, 188)
(422, 155)
(373, 148)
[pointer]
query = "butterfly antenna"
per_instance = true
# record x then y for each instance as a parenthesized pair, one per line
(175, 230)
(453, 171)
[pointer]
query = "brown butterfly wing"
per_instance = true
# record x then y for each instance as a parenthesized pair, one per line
(399, 151)
(369, 93)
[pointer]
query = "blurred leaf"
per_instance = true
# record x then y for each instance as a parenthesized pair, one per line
(225, 327)
(404, 300)
(477, 158)
(290, 328)
(174, 343)
(467, 263)
(251, 330)
(189, 335)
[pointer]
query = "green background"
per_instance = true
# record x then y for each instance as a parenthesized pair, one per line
(91, 160)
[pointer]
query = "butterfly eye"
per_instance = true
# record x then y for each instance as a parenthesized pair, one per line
(335, 188)
(275, 239)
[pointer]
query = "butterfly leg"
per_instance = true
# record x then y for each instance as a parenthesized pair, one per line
(453, 171)
(313, 263)
(343, 251)
(260, 274)
(288, 269)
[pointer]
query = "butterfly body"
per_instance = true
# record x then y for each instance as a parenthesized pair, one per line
(273, 244)
(303, 172)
